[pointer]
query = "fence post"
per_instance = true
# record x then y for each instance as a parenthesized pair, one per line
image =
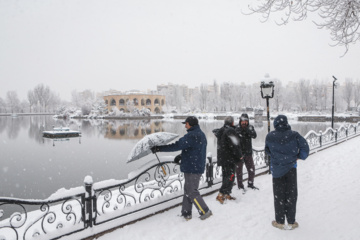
(209, 170)
(88, 182)
(336, 134)
(320, 140)
(346, 132)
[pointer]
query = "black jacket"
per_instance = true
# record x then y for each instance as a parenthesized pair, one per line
(228, 145)
(246, 134)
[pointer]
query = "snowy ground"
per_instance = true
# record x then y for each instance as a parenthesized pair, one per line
(328, 206)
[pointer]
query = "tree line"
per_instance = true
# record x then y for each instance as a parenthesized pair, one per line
(38, 100)
(302, 96)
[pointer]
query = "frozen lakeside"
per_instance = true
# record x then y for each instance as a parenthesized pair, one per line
(327, 206)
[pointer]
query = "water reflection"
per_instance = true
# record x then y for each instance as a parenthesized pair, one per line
(132, 130)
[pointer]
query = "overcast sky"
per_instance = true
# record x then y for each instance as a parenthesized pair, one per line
(138, 44)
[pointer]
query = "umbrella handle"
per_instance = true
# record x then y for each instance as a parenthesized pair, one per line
(162, 167)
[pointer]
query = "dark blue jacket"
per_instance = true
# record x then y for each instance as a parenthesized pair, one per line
(284, 147)
(193, 154)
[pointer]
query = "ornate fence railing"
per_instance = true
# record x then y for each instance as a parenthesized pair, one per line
(42, 219)
(97, 207)
(321, 140)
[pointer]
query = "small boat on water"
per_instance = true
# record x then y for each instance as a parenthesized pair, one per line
(61, 132)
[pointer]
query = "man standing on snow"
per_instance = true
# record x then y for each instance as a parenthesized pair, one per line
(228, 154)
(193, 158)
(285, 147)
(246, 133)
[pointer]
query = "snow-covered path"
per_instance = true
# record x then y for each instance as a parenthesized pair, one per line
(328, 206)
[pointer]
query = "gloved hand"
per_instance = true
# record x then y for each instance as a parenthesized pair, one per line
(177, 159)
(154, 149)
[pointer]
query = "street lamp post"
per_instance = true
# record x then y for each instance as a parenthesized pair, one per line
(267, 91)
(333, 98)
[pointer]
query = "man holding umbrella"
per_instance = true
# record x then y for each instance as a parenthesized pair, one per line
(193, 158)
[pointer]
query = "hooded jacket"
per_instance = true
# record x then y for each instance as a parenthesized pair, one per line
(246, 134)
(193, 154)
(284, 147)
(228, 145)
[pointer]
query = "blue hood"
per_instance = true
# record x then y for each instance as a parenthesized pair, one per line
(281, 123)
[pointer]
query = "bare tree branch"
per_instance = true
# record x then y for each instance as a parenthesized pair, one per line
(340, 17)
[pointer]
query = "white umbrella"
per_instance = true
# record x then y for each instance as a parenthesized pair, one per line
(143, 147)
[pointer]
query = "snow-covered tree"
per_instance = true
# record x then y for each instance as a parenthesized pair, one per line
(341, 18)
(303, 94)
(347, 92)
(278, 95)
(100, 106)
(2, 105)
(225, 95)
(31, 99)
(43, 98)
(357, 93)
(12, 101)
(40, 91)
(324, 95)
(204, 96)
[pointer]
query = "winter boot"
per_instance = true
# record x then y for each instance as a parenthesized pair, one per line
(186, 216)
(293, 226)
(220, 197)
(206, 215)
(277, 225)
(253, 187)
(229, 197)
(242, 189)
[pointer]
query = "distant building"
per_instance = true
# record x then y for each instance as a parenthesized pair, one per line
(125, 101)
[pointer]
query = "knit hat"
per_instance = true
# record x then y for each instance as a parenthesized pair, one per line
(243, 117)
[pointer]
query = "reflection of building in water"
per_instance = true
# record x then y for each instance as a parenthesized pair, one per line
(135, 99)
(129, 131)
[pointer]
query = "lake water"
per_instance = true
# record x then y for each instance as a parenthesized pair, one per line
(33, 167)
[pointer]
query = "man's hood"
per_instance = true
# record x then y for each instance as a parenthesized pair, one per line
(281, 123)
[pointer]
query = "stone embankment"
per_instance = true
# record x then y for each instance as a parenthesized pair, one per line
(328, 118)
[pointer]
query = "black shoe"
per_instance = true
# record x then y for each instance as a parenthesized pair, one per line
(242, 189)
(253, 187)
(187, 217)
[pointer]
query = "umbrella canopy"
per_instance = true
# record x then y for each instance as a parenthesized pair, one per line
(143, 147)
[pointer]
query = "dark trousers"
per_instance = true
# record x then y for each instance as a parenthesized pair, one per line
(250, 167)
(228, 177)
(192, 195)
(285, 197)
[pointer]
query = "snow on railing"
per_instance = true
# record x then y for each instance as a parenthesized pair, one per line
(321, 140)
(96, 207)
